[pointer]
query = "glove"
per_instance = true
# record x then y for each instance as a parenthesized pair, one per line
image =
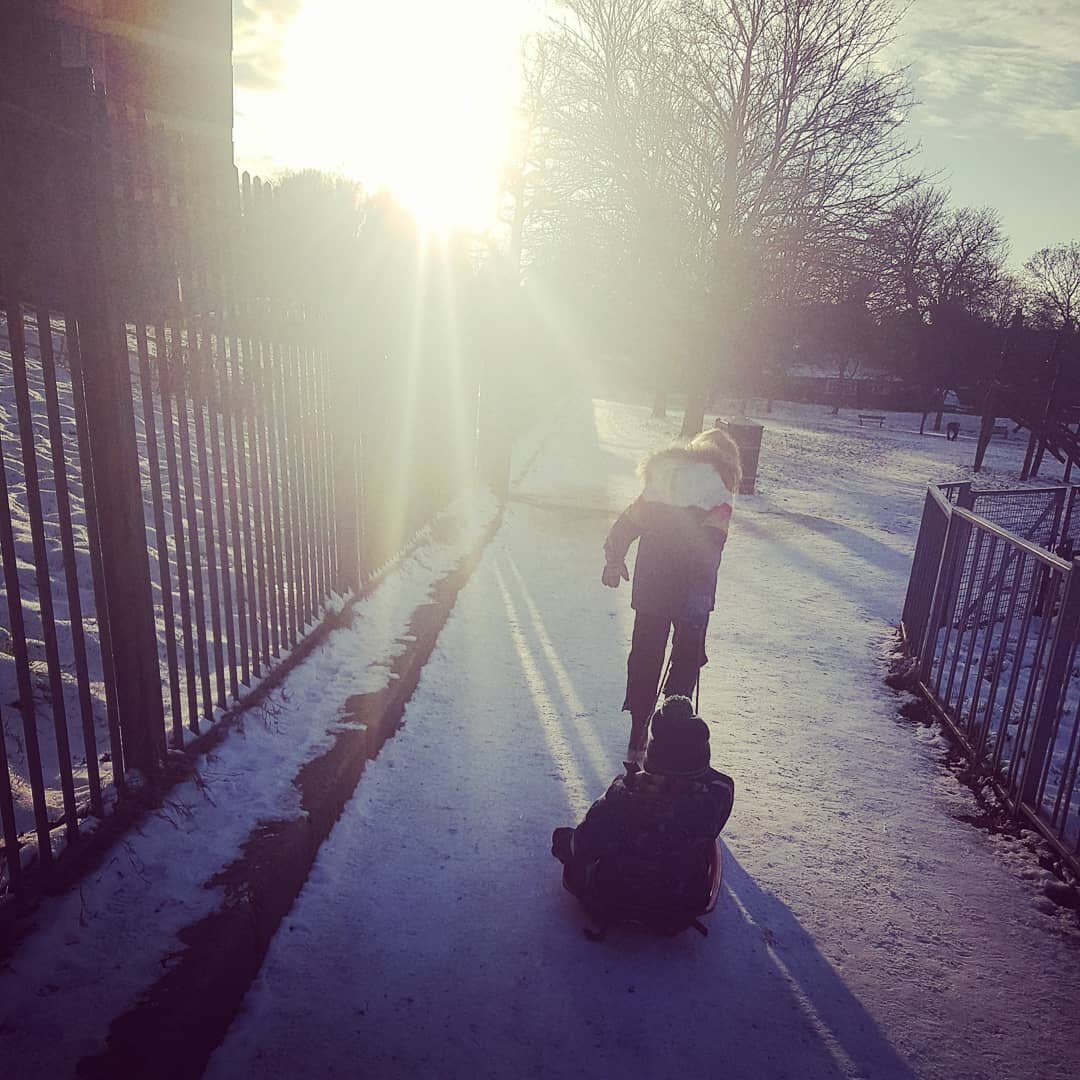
(613, 574)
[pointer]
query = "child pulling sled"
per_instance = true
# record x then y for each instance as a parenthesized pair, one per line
(680, 521)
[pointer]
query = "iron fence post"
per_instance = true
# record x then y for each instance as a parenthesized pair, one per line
(1059, 515)
(1062, 538)
(924, 563)
(114, 464)
(346, 465)
(956, 539)
(1057, 674)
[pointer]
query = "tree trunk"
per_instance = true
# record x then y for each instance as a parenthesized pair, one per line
(1036, 465)
(1025, 472)
(986, 426)
(694, 417)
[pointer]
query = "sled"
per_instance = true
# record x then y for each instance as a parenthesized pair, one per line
(716, 875)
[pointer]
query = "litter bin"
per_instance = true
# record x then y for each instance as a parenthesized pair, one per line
(747, 437)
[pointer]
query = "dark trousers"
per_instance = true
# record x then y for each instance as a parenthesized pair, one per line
(646, 662)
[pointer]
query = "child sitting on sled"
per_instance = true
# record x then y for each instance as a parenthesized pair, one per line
(680, 521)
(647, 851)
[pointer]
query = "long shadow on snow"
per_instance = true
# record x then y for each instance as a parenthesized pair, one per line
(837, 1013)
(577, 741)
(755, 999)
(851, 586)
(866, 547)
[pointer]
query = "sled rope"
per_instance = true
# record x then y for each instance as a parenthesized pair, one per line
(663, 680)
(660, 686)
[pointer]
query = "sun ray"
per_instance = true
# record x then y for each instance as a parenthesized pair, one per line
(577, 791)
(576, 712)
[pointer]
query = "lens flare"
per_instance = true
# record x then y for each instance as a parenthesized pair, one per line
(418, 98)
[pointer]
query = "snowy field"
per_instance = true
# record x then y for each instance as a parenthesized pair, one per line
(864, 930)
(19, 510)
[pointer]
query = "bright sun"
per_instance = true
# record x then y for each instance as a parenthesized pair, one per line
(415, 97)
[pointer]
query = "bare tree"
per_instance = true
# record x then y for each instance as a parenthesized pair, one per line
(904, 241)
(1054, 276)
(1008, 295)
(609, 177)
(524, 179)
(739, 144)
(931, 255)
(796, 114)
(940, 277)
(795, 144)
(968, 259)
(608, 108)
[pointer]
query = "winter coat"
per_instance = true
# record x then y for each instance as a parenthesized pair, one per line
(680, 521)
(645, 844)
(649, 814)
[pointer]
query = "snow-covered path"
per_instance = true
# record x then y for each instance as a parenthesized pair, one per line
(864, 930)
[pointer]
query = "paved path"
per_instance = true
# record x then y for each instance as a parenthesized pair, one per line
(864, 931)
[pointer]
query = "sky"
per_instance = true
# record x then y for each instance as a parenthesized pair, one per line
(415, 95)
(998, 83)
(377, 90)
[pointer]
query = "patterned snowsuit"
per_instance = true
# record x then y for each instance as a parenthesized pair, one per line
(645, 848)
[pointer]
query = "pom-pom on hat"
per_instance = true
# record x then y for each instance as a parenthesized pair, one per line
(680, 740)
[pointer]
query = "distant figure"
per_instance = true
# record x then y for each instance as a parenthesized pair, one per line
(648, 850)
(681, 521)
(952, 431)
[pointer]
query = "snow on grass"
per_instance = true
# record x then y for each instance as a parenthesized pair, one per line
(874, 479)
(11, 726)
(94, 950)
(11, 720)
(864, 930)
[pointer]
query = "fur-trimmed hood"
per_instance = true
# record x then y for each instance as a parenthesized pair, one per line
(687, 477)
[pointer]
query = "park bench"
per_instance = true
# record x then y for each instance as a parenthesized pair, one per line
(1000, 429)
(868, 417)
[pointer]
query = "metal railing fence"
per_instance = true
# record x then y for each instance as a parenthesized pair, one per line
(993, 621)
(187, 484)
